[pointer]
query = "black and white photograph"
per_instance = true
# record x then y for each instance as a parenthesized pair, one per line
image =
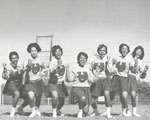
(75, 59)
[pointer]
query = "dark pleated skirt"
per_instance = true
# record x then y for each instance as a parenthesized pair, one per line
(59, 88)
(37, 87)
(98, 88)
(77, 93)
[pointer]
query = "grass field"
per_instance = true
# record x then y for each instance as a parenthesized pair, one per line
(70, 113)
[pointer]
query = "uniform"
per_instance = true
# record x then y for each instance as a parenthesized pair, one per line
(120, 81)
(81, 78)
(14, 79)
(57, 79)
(34, 73)
(100, 71)
(135, 75)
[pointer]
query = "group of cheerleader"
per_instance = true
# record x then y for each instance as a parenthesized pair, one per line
(89, 79)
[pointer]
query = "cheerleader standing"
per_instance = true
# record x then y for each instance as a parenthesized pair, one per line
(13, 73)
(34, 85)
(102, 86)
(56, 87)
(120, 80)
(136, 72)
(81, 78)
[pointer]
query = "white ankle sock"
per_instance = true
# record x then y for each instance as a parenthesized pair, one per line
(80, 113)
(54, 112)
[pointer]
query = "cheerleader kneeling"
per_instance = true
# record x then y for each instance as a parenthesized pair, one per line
(13, 73)
(81, 78)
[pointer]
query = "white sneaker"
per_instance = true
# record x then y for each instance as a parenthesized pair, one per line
(136, 115)
(80, 114)
(62, 115)
(104, 114)
(129, 113)
(108, 111)
(109, 116)
(38, 113)
(12, 114)
(33, 114)
(124, 114)
(93, 114)
(54, 113)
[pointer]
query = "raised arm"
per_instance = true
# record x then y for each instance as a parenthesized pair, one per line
(5, 73)
(91, 77)
(111, 66)
(71, 75)
(144, 72)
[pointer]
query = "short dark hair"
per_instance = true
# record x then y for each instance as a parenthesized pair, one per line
(100, 47)
(121, 46)
(82, 53)
(33, 45)
(134, 51)
(13, 53)
(55, 47)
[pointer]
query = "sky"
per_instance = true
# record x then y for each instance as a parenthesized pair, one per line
(77, 25)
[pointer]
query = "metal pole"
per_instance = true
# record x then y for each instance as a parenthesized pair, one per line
(51, 44)
(37, 39)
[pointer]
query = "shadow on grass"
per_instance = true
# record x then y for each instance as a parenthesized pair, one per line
(7, 113)
(71, 115)
(115, 114)
(50, 114)
(46, 114)
(28, 113)
(42, 114)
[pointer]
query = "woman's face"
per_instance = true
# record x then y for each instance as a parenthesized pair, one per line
(124, 51)
(14, 59)
(102, 52)
(138, 53)
(82, 60)
(58, 54)
(34, 52)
